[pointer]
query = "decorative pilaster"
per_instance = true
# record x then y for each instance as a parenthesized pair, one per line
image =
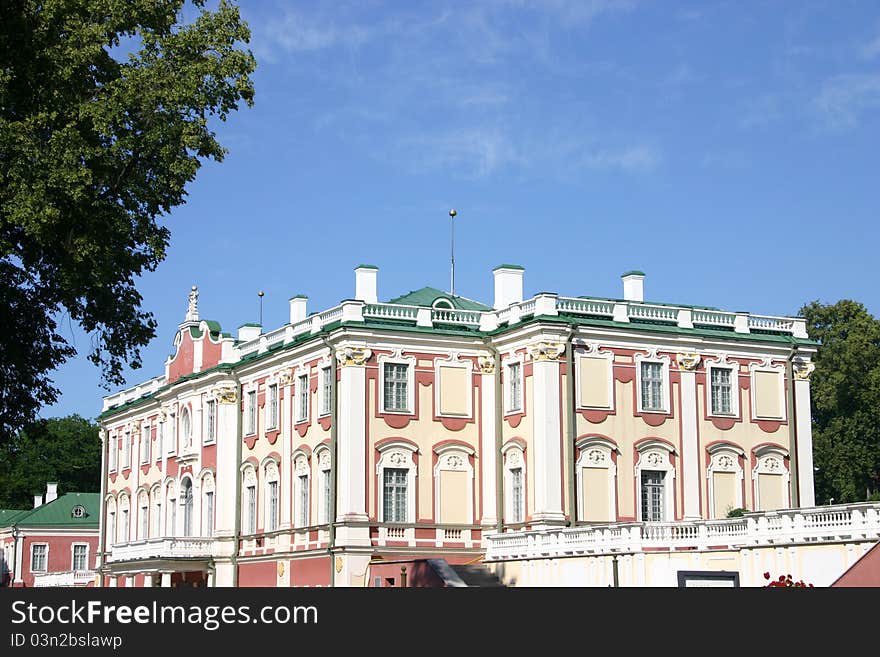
(488, 457)
(688, 364)
(806, 492)
(228, 410)
(351, 445)
(546, 432)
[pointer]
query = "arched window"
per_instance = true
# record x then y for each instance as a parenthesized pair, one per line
(442, 303)
(396, 481)
(301, 489)
(143, 515)
(186, 501)
(655, 478)
(185, 428)
(110, 535)
(156, 494)
(171, 505)
(273, 504)
(208, 505)
(514, 483)
(249, 499)
(596, 479)
(725, 477)
(326, 512)
(125, 518)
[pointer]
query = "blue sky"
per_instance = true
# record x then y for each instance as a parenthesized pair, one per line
(728, 149)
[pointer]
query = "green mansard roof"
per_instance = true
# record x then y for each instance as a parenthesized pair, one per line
(428, 295)
(58, 512)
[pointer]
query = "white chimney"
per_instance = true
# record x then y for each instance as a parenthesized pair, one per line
(248, 332)
(38, 501)
(508, 285)
(634, 285)
(365, 283)
(51, 491)
(298, 308)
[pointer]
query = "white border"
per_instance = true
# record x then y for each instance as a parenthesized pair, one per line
(665, 394)
(592, 350)
(398, 359)
(454, 362)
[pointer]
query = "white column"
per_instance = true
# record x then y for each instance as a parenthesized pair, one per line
(547, 432)
(18, 565)
(487, 447)
(803, 426)
(690, 445)
(228, 408)
(286, 426)
(166, 580)
(351, 438)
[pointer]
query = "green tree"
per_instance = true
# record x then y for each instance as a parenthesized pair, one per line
(845, 392)
(66, 450)
(105, 108)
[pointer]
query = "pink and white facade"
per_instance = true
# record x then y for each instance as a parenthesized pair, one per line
(418, 427)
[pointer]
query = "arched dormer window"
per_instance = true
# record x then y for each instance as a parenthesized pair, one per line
(442, 303)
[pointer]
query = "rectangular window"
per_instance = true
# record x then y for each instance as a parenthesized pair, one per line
(113, 452)
(211, 432)
(160, 440)
(145, 520)
(126, 451)
(80, 552)
(721, 390)
(652, 387)
(302, 398)
(514, 387)
(652, 496)
(272, 407)
(272, 521)
(325, 475)
(39, 557)
(394, 499)
(126, 528)
(145, 445)
(251, 412)
(516, 491)
(326, 391)
(208, 519)
(303, 500)
(251, 510)
(157, 521)
(396, 393)
(111, 528)
(172, 506)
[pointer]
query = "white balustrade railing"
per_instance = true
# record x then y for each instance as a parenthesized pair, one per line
(585, 306)
(65, 578)
(161, 548)
(527, 307)
(331, 315)
(275, 337)
(785, 324)
(713, 318)
(391, 311)
(654, 313)
(817, 524)
(446, 316)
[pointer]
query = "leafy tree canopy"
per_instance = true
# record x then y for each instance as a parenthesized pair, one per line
(65, 450)
(845, 392)
(104, 119)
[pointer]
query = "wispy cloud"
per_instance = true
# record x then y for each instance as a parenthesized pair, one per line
(845, 98)
(472, 153)
(635, 159)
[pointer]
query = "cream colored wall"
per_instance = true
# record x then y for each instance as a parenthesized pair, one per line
(626, 430)
(425, 433)
(453, 390)
(593, 389)
(767, 401)
(746, 434)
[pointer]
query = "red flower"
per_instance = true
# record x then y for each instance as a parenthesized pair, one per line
(766, 575)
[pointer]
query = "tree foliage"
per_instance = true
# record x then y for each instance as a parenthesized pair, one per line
(104, 118)
(65, 450)
(845, 392)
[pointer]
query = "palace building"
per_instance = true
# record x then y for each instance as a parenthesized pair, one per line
(417, 428)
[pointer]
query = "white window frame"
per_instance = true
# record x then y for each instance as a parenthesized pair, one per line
(302, 394)
(325, 391)
(45, 567)
(593, 351)
(207, 511)
(724, 457)
(455, 362)
(125, 510)
(113, 452)
(126, 450)
(656, 456)
(73, 547)
(171, 445)
(186, 427)
(160, 438)
(397, 455)
(210, 422)
(272, 404)
(143, 527)
(514, 458)
(410, 363)
(171, 498)
(110, 534)
(322, 458)
(508, 380)
(250, 410)
(723, 364)
(271, 476)
(249, 480)
(454, 458)
(596, 452)
(181, 499)
(770, 460)
(665, 392)
(753, 389)
(156, 519)
(301, 468)
(145, 444)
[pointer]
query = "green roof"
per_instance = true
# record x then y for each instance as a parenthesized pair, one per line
(58, 512)
(213, 329)
(366, 267)
(299, 296)
(8, 516)
(251, 324)
(428, 295)
(633, 272)
(509, 267)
